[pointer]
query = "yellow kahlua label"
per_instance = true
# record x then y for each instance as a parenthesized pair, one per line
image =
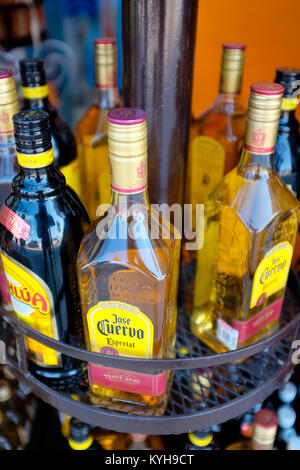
(33, 304)
(207, 167)
(289, 104)
(72, 175)
(271, 273)
(120, 329)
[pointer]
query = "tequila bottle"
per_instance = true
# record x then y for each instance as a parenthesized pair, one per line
(91, 130)
(128, 270)
(216, 138)
(249, 235)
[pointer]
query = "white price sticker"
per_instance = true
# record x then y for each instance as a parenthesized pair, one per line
(228, 335)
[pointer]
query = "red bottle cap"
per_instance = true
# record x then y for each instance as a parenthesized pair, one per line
(126, 116)
(266, 418)
(234, 45)
(267, 88)
(105, 41)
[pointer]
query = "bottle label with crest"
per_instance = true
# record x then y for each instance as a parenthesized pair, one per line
(33, 304)
(119, 329)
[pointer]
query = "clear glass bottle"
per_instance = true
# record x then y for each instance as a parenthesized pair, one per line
(216, 136)
(91, 130)
(249, 235)
(128, 271)
(215, 141)
(8, 156)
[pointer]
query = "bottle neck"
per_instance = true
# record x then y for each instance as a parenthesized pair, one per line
(36, 103)
(227, 102)
(248, 159)
(288, 119)
(122, 202)
(108, 98)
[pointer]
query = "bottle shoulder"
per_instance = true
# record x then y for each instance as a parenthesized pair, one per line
(215, 124)
(90, 120)
(256, 201)
(131, 242)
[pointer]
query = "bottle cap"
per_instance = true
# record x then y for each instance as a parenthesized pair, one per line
(127, 146)
(126, 116)
(288, 393)
(201, 438)
(264, 429)
(286, 416)
(32, 131)
(5, 391)
(289, 77)
(32, 72)
(263, 115)
(79, 431)
(138, 437)
(8, 93)
(233, 56)
(294, 443)
(80, 435)
(105, 62)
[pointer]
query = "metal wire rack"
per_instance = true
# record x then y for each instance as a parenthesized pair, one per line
(207, 388)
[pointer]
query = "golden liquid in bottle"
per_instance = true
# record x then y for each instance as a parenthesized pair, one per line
(137, 275)
(249, 213)
(91, 130)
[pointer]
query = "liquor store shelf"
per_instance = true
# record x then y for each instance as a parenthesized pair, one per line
(207, 389)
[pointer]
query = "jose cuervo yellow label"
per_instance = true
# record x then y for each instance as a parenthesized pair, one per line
(119, 329)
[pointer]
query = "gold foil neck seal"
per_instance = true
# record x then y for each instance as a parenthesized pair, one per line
(263, 117)
(105, 62)
(8, 101)
(8, 93)
(127, 147)
(232, 66)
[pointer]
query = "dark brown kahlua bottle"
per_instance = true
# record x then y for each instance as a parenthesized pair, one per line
(41, 226)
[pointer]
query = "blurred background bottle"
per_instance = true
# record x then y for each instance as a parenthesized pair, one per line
(91, 130)
(36, 96)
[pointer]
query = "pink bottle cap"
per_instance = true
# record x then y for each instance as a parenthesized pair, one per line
(266, 418)
(267, 88)
(138, 437)
(234, 45)
(105, 41)
(5, 73)
(126, 116)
